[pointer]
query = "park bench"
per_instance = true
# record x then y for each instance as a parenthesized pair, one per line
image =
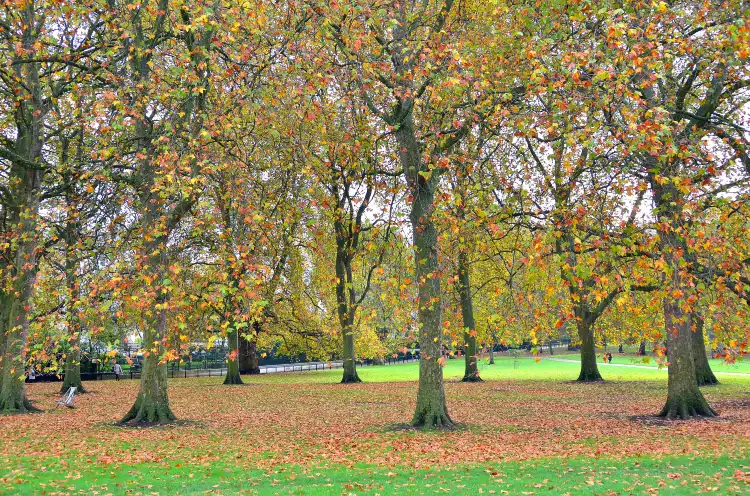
(67, 400)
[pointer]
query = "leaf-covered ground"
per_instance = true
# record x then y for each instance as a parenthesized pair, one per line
(526, 430)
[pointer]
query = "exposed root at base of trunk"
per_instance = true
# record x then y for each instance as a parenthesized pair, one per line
(12, 407)
(148, 414)
(472, 378)
(687, 409)
(233, 380)
(433, 420)
(589, 377)
(708, 379)
(79, 388)
(351, 379)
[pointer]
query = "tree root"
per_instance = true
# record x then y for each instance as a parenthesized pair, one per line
(707, 379)
(686, 409)
(472, 378)
(437, 420)
(351, 379)
(233, 380)
(589, 377)
(79, 388)
(148, 413)
(10, 407)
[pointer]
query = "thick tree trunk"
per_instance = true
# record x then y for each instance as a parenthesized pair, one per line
(13, 391)
(26, 186)
(152, 403)
(73, 368)
(233, 360)
(248, 359)
(471, 371)
(492, 354)
(12, 382)
(431, 410)
(684, 399)
(703, 374)
(589, 368)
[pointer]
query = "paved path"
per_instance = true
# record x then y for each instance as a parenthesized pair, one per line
(600, 364)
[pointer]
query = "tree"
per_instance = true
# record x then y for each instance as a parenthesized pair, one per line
(167, 81)
(670, 128)
(44, 61)
(406, 57)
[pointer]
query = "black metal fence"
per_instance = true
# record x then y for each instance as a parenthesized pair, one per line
(182, 371)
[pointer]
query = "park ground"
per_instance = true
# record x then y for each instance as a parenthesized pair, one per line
(526, 430)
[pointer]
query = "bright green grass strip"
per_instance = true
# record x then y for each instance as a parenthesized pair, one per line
(717, 365)
(520, 369)
(670, 475)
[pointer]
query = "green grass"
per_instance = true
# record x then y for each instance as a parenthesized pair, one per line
(717, 365)
(505, 368)
(672, 474)
(526, 430)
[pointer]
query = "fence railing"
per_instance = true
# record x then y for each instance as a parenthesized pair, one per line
(186, 373)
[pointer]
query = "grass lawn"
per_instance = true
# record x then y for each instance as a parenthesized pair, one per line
(719, 366)
(526, 430)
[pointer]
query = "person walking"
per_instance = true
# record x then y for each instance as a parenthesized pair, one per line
(117, 370)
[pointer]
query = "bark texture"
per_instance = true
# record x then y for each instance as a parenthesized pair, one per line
(471, 371)
(26, 176)
(346, 302)
(152, 403)
(431, 410)
(589, 368)
(248, 359)
(703, 374)
(72, 376)
(233, 360)
(684, 398)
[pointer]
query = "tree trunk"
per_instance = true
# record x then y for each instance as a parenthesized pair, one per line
(492, 354)
(152, 403)
(703, 374)
(248, 359)
(589, 367)
(471, 371)
(684, 399)
(4, 327)
(233, 360)
(26, 185)
(73, 356)
(345, 308)
(350, 367)
(431, 410)
(73, 367)
(12, 382)
(13, 391)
